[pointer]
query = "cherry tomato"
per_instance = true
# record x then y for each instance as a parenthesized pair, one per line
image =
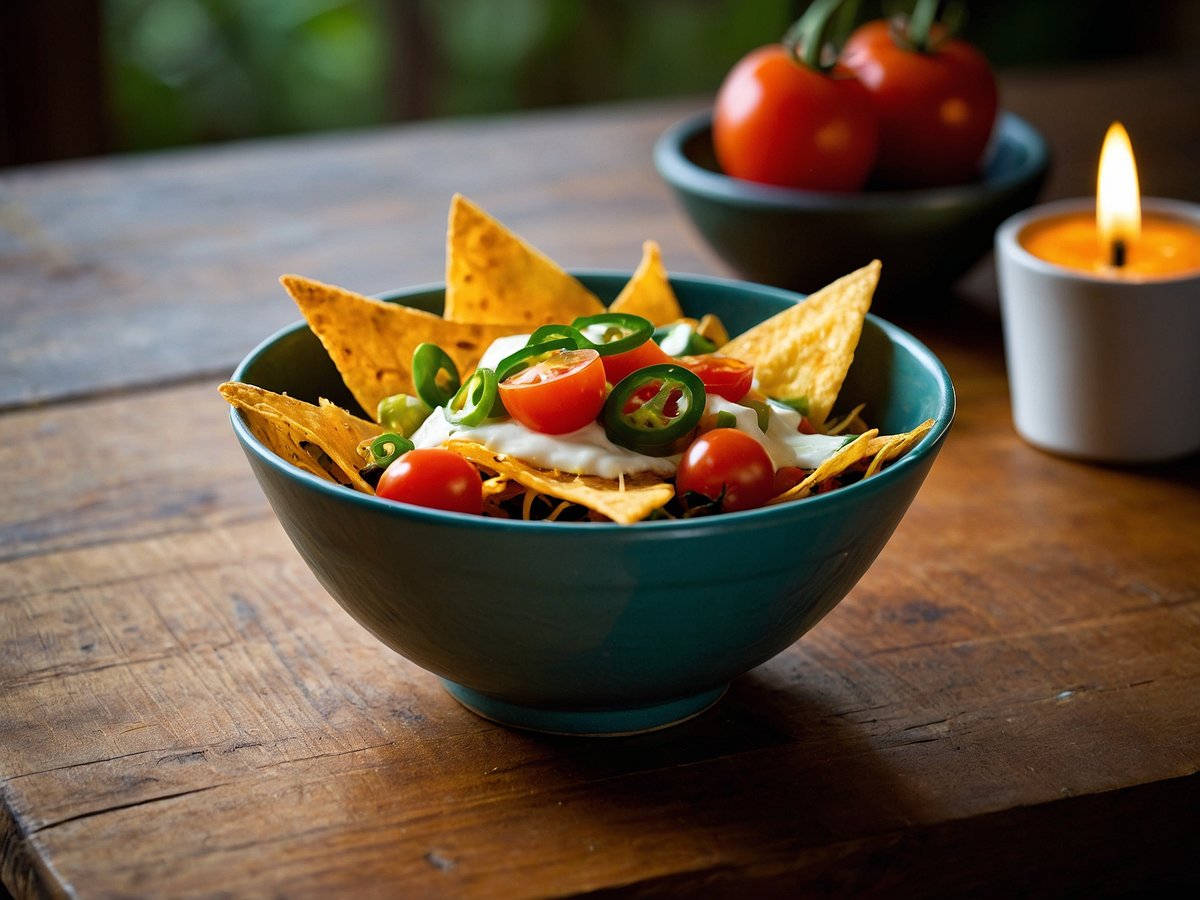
(561, 393)
(787, 477)
(433, 477)
(936, 107)
(729, 465)
(618, 365)
(722, 375)
(778, 121)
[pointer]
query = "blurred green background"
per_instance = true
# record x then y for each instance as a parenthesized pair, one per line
(92, 76)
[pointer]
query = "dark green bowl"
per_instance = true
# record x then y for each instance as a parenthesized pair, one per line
(600, 628)
(803, 240)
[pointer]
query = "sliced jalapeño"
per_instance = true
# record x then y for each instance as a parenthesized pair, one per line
(655, 410)
(612, 333)
(475, 400)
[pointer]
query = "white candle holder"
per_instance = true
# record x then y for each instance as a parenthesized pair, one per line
(1101, 368)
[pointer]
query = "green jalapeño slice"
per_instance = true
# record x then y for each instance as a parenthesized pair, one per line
(530, 355)
(655, 410)
(475, 400)
(612, 333)
(435, 376)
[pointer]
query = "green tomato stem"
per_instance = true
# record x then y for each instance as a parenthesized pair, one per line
(808, 35)
(920, 24)
(916, 33)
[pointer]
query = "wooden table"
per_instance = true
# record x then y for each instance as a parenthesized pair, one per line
(1008, 703)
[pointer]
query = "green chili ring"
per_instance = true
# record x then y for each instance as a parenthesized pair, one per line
(628, 332)
(429, 361)
(530, 355)
(546, 333)
(473, 402)
(389, 447)
(648, 428)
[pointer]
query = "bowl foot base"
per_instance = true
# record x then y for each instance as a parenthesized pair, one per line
(588, 722)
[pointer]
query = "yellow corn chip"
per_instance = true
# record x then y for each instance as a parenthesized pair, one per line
(299, 427)
(648, 293)
(626, 501)
(493, 276)
(857, 449)
(889, 447)
(806, 350)
(372, 342)
(287, 443)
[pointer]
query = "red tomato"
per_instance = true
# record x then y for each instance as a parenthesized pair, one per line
(618, 365)
(778, 121)
(729, 465)
(722, 375)
(936, 109)
(433, 477)
(562, 393)
(787, 477)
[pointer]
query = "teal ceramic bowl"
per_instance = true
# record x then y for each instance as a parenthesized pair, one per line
(802, 240)
(597, 628)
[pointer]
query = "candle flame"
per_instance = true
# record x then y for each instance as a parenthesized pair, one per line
(1118, 204)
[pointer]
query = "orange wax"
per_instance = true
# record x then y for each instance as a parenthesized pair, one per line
(1167, 246)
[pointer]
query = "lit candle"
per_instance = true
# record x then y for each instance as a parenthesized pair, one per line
(1116, 239)
(1100, 305)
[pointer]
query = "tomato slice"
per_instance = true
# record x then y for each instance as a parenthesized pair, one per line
(562, 393)
(722, 375)
(648, 353)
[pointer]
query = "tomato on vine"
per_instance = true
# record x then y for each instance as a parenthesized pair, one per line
(934, 96)
(785, 116)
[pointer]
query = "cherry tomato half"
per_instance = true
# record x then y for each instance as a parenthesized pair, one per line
(561, 393)
(779, 121)
(618, 365)
(729, 465)
(936, 107)
(722, 375)
(433, 477)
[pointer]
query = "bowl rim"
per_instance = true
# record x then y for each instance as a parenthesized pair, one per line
(681, 173)
(929, 443)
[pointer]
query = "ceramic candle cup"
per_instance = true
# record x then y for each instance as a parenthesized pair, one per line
(1101, 367)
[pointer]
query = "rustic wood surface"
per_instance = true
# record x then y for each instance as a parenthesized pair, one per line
(1008, 703)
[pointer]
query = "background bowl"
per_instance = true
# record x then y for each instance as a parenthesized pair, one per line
(803, 240)
(597, 628)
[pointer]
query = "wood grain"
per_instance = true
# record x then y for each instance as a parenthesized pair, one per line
(1008, 703)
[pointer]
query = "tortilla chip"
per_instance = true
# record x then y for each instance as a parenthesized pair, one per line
(648, 292)
(306, 431)
(625, 502)
(493, 276)
(287, 443)
(847, 456)
(372, 342)
(806, 350)
(889, 447)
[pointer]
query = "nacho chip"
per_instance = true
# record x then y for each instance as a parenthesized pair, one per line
(493, 276)
(629, 500)
(372, 342)
(287, 443)
(885, 448)
(648, 292)
(308, 433)
(806, 350)
(847, 456)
